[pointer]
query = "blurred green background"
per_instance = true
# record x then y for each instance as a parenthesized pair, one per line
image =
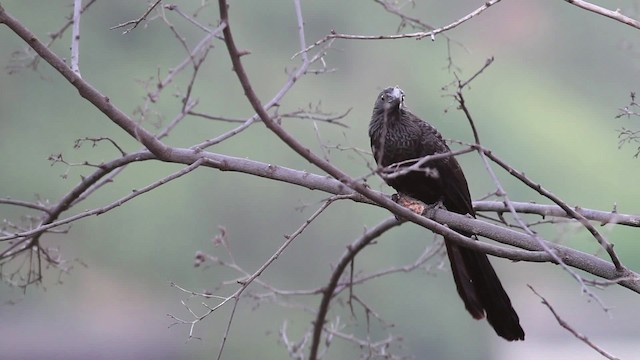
(546, 105)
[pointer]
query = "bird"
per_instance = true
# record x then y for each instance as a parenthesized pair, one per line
(399, 136)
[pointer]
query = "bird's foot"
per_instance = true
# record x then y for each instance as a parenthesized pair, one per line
(430, 210)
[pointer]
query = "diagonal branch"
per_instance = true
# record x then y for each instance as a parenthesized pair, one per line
(347, 257)
(615, 15)
(85, 89)
(573, 331)
(459, 97)
(307, 154)
(134, 23)
(571, 212)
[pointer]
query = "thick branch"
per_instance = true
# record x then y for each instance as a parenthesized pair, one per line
(571, 257)
(575, 258)
(54, 212)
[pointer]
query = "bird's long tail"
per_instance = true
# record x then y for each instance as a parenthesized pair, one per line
(482, 292)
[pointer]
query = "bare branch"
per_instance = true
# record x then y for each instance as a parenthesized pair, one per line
(301, 39)
(574, 214)
(500, 189)
(87, 91)
(501, 192)
(204, 43)
(228, 328)
(573, 331)
(415, 35)
(75, 37)
(137, 21)
(429, 252)
(217, 118)
(336, 173)
(392, 7)
(625, 135)
(604, 217)
(25, 237)
(398, 169)
(615, 15)
(317, 116)
(570, 257)
(26, 204)
(301, 178)
(464, 84)
(27, 234)
(248, 280)
(347, 257)
(176, 9)
(78, 143)
(34, 60)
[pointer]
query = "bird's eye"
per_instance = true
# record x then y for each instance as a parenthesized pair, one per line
(382, 97)
(402, 98)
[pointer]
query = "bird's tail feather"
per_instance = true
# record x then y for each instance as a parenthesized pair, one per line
(481, 291)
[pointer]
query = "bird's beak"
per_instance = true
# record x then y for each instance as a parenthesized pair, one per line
(396, 94)
(394, 99)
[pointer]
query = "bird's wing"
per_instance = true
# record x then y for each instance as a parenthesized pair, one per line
(451, 180)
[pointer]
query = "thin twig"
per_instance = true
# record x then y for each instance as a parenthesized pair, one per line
(573, 331)
(75, 37)
(86, 90)
(347, 257)
(137, 21)
(173, 72)
(54, 36)
(391, 7)
(176, 9)
(261, 114)
(104, 209)
(244, 283)
(228, 328)
(26, 204)
(398, 169)
(301, 38)
(500, 190)
(615, 15)
(415, 35)
(549, 195)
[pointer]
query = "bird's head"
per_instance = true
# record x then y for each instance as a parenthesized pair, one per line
(390, 99)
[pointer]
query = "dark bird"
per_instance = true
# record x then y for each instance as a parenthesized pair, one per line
(397, 136)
